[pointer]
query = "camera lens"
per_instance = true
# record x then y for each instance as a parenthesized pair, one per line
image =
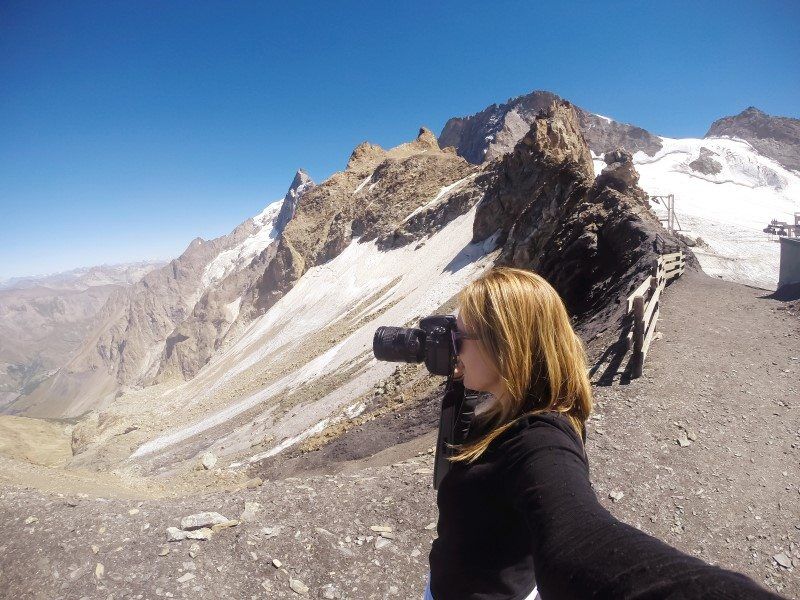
(396, 344)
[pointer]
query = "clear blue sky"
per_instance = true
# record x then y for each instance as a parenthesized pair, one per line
(129, 128)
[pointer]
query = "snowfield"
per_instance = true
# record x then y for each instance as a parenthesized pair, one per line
(728, 209)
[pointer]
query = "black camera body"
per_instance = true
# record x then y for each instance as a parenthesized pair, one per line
(432, 343)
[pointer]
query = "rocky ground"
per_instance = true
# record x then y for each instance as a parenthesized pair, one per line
(702, 451)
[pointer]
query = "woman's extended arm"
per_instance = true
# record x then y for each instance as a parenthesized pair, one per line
(580, 549)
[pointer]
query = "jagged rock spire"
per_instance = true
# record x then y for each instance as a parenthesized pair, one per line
(300, 185)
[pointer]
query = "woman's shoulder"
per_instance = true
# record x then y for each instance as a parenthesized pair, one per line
(544, 430)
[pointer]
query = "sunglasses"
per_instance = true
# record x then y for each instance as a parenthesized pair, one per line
(458, 336)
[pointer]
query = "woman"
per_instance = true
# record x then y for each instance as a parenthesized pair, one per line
(517, 514)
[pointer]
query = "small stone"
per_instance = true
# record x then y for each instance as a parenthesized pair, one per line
(99, 570)
(683, 440)
(381, 543)
(194, 549)
(329, 592)
(250, 510)
(225, 525)
(415, 553)
(381, 528)
(203, 534)
(430, 526)
(254, 483)
(783, 560)
(30, 520)
(276, 563)
(208, 460)
(616, 496)
(164, 551)
(186, 577)
(133, 511)
(95, 549)
(298, 586)
(388, 535)
(203, 519)
(175, 535)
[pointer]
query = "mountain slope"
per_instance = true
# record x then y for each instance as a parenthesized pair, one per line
(726, 190)
(777, 138)
(725, 194)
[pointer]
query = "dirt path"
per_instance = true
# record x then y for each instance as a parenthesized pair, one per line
(723, 379)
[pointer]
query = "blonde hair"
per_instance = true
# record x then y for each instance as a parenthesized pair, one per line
(523, 328)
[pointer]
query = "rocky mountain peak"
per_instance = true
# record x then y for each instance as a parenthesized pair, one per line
(555, 136)
(364, 156)
(495, 131)
(775, 137)
(427, 138)
(300, 184)
(590, 238)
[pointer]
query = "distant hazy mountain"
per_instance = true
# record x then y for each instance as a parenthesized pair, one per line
(775, 137)
(43, 319)
(85, 277)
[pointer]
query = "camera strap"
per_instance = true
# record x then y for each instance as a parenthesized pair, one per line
(455, 420)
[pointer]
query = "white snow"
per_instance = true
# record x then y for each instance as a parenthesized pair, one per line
(728, 210)
(235, 258)
(362, 184)
(429, 275)
(606, 119)
(232, 309)
(440, 197)
(290, 441)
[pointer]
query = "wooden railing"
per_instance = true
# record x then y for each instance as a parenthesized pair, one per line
(643, 304)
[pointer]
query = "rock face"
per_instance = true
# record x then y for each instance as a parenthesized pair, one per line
(775, 137)
(369, 200)
(705, 163)
(496, 130)
(593, 239)
(604, 135)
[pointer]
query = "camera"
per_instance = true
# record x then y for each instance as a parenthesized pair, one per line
(431, 343)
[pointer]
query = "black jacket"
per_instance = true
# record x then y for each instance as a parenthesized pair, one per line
(526, 514)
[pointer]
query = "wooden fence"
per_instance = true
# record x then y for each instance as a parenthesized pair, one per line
(643, 304)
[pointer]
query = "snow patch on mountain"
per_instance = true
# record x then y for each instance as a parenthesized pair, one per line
(729, 208)
(237, 257)
(444, 192)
